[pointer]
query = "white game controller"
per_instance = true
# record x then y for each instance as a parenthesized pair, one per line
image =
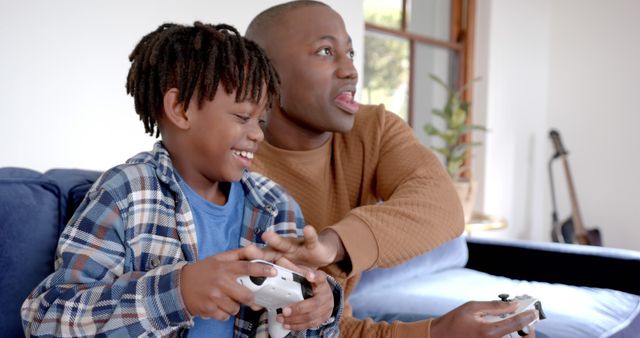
(525, 302)
(273, 293)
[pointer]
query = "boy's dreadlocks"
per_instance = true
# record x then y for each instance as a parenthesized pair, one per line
(196, 60)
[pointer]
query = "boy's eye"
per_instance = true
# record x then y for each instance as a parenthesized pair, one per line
(351, 54)
(325, 51)
(242, 117)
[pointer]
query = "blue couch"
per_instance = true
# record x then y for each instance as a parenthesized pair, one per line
(585, 291)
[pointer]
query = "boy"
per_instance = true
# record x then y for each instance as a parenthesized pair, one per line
(157, 245)
(339, 159)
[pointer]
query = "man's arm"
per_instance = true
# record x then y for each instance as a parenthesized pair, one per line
(420, 208)
(467, 320)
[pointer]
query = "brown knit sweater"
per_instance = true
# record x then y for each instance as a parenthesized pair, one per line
(340, 184)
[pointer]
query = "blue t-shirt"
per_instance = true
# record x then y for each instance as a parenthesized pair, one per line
(217, 230)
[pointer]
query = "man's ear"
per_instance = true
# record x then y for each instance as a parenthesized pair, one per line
(174, 109)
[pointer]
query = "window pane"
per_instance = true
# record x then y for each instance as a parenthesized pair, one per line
(428, 94)
(386, 72)
(387, 13)
(431, 18)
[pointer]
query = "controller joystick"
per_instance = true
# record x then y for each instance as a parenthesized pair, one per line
(504, 297)
(274, 293)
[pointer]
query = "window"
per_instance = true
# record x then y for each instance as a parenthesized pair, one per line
(405, 41)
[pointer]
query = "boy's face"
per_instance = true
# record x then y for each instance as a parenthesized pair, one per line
(313, 55)
(223, 136)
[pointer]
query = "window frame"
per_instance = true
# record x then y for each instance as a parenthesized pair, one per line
(460, 42)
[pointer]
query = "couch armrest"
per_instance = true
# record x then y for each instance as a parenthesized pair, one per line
(571, 264)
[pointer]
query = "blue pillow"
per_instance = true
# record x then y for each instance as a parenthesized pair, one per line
(452, 254)
(30, 221)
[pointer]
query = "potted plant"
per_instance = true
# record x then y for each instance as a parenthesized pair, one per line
(451, 139)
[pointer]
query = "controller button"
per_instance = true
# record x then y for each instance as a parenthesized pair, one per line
(504, 297)
(257, 280)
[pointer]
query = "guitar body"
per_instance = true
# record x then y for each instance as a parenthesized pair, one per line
(591, 237)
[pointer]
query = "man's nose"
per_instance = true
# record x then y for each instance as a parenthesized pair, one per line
(346, 69)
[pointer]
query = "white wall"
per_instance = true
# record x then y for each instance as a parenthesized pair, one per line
(593, 101)
(515, 78)
(570, 65)
(63, 67)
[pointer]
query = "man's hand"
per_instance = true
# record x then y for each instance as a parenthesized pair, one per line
(467, 321)
(311, 312)
(210, 289)
(312, 250)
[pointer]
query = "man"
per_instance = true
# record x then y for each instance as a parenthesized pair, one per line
(374, 194)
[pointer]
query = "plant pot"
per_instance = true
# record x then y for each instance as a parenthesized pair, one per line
(467, 191)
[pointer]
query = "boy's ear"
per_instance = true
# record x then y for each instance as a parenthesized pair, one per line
(174, 109)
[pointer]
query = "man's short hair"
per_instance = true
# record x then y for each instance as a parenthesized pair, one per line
(270, 16)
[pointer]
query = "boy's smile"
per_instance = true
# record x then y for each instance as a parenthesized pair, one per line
(245, 156)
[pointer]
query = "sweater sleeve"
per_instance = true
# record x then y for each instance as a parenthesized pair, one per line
(420, 208)
(91, 292)
(352, 327)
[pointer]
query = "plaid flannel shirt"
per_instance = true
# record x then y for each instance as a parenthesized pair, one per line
(119, 259)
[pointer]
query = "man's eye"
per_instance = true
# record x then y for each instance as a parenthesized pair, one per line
(326, 51)
(351, 54)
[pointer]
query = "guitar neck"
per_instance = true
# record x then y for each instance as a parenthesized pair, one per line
(575, 210)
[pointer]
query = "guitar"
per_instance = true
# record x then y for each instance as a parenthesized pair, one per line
(572, 229)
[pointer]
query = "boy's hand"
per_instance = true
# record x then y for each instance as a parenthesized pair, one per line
(311, 312)
(312, 250)
(210, 288)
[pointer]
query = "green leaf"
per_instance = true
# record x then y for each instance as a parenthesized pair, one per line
(478, 127)
(431, 130)
(466, 86)
(453, 167)
(441, 83)
(443, 151)
(458, 118)
(438, 112)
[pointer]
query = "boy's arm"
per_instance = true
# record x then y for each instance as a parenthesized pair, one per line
(92, 292)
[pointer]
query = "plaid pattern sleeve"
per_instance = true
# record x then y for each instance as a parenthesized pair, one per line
(99, 286)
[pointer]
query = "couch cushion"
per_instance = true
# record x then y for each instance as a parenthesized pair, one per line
(73, 184)
(30, 221)
(571, 311)
(452, 254)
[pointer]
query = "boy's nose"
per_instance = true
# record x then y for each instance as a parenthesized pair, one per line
(255, 133)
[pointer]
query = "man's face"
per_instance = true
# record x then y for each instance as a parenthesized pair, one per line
(313, 55)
